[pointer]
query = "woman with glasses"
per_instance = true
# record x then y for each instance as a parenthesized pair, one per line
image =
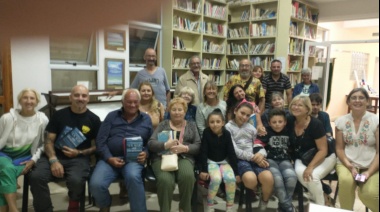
(357, 148)
(310, 149)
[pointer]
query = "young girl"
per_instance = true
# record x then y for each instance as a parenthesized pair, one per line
(243, 134)
(216, 149)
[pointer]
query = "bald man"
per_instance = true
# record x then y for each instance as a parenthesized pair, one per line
(69, 162)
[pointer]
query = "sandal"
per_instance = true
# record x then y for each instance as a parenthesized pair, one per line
(329, 201)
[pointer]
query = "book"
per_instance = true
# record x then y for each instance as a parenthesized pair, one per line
(252, 120)
(133, 147)
(70, 137)
(163, 137)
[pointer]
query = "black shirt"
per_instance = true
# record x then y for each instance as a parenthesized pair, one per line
(277, 143)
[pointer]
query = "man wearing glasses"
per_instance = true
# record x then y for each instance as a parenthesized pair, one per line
(252, 86)
(193, 78)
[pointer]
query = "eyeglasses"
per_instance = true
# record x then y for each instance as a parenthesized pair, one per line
(357, 98)
(197, 64)
(244, 65)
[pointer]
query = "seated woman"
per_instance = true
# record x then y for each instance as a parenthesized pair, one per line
(357, 147)
(188, 95)
(21, 139)
(308, 135)
(306, 87)
(210, 103)
(186, 148)
(150, 105)
(235, 96)
(277, 101)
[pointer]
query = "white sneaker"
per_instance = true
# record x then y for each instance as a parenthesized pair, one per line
(210, 208)
(230, 209)
(263, 205)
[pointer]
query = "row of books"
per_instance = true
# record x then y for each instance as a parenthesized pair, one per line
(293, 78)
(178, 43)
(293, 29)
(244, 15)
(185, 24)
(238, 32)
(294, 65)
(295, 46)
(233, 48)
(215, 77)
(262, 48)
(215, 11)
(310, 32)
(264, 62)
(303, 12)
(260, 13)
(262, 29)
(211, 63)
(232, 64)
(213, 28)
(230, 74)
(187, 5)
(210, 46)
(180, 62)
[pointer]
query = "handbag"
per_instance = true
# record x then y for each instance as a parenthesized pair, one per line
(169, 162)
(308, 156)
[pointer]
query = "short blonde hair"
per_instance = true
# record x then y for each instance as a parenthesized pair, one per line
(189, 91)
(305, 100)
(19, 96)
(178, 100)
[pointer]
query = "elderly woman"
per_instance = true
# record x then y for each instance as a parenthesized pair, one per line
(188, 95)
(306, 87)
(357, 147)
(186, 148)
(210, 103)
(308, 135)
(21, 139)
(276, 101)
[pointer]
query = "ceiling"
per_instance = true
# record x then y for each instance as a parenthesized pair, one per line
(343, 10)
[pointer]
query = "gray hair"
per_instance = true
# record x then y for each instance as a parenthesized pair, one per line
(130, 90)
(193, 57)
(189, 91)
(306, 71)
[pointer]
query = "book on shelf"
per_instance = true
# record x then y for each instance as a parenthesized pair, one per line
(214, 77)
(178, 43)
(264, 62)
(232, 64)
(294, 65)
(293, 29)
(295, 7)
(244, 15)
(230, 74)
(174, 78)
(70, 137)
(187, 5)
(132, 148)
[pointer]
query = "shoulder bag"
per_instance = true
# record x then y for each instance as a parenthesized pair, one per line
(169, 162)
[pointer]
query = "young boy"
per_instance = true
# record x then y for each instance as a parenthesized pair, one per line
(276, 143)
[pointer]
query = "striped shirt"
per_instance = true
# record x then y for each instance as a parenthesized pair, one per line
(270, 85)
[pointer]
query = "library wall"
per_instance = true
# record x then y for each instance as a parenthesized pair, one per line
(342, 68)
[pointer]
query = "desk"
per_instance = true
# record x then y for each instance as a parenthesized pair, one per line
(372, 105)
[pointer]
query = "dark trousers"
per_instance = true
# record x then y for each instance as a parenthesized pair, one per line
(76, 171)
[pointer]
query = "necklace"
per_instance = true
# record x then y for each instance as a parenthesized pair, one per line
(300, 128)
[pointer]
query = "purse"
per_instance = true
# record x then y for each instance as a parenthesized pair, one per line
(169, 162)
(308, 156)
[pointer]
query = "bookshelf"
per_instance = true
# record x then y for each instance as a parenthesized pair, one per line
(194, 27)
(222, 32)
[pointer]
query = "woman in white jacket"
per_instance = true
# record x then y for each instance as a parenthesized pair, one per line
(21, 144)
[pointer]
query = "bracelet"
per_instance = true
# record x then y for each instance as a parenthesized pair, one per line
(52, 161)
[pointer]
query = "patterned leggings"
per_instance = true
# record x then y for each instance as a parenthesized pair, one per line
(216, 172)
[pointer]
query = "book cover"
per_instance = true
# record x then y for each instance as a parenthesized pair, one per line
(252, 120)
(133, 147)
(70, 137)
(164, 137)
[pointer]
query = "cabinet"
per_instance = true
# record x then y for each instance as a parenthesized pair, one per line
(195, 27)
(6, 91)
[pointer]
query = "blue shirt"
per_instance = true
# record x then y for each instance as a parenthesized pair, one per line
(325, 119)
(298, 89)
(109, 142)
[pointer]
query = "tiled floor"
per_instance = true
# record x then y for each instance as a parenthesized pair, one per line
(60, 200)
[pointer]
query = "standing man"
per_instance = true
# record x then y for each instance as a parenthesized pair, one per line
(194, 78)
(252, 86)
(276, 81)
(73, 164)
(156, 76)
(117, 131)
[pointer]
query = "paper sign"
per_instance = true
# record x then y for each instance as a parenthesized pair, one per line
(316, 72)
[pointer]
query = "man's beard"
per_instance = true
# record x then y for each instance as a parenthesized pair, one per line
(245, 74)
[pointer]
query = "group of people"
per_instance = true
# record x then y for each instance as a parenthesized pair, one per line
(247, 137)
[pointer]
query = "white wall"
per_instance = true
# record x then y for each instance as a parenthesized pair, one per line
(30, 65)
(341, 83)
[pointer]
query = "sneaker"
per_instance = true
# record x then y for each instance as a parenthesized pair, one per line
(210, 208)
(263, 205)
(229, 209)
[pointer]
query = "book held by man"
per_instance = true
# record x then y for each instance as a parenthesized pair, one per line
(133, 147)
(70, 137)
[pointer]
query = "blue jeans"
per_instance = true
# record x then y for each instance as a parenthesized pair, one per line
(104, 174)
(285, 180)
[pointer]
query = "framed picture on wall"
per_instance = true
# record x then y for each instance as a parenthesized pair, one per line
(114, 73)
(114, 39)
